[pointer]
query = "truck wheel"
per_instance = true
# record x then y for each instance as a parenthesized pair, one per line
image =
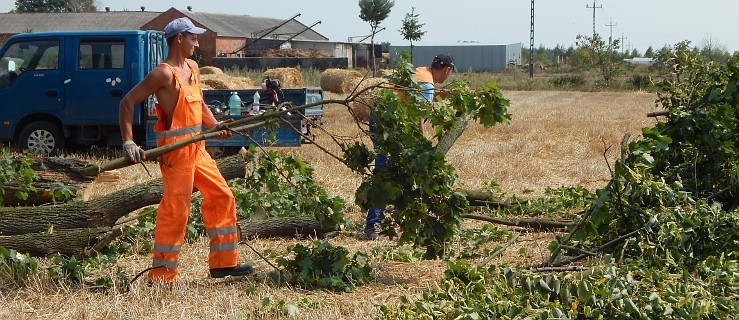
(41, 138)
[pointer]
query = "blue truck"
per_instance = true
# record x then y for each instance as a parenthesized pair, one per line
(64, 88)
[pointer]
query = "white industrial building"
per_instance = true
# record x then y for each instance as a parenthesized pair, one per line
(467, 57)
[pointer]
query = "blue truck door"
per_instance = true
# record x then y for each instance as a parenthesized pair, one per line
(36, 85)
(98, 79)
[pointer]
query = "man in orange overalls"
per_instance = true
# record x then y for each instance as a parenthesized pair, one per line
(181, 114)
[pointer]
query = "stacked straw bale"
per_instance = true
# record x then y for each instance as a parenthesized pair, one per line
(210, 70)
(362, 105)
(224, 81)
(336, 80)
(289, 77)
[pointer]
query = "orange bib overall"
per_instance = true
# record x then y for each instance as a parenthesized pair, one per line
(181, 170)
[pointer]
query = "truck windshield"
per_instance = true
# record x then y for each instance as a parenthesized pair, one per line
(28, 55)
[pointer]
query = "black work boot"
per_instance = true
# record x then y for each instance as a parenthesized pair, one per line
(238, 270)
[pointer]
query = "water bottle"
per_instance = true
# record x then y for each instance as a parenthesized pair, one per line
(234, 104)
(255, 103)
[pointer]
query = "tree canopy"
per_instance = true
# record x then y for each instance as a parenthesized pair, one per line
(411, 29)
(374, 12)
(55, 6)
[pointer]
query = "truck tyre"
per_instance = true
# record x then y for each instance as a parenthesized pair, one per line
(41, 138)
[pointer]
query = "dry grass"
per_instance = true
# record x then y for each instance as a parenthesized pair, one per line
(557, 138)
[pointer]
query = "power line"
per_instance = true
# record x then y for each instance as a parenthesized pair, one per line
(587, 6)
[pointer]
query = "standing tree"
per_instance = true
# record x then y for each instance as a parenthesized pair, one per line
(411, 29)
(596, 53)
(374, 12)
(55, 6)
(649, 53)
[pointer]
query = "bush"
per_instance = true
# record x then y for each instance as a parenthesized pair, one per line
(568, 81)
(641, 82)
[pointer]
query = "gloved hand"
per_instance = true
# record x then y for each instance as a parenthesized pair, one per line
(224, 133)
(133, 152)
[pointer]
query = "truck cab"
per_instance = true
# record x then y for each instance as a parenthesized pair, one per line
(60, 87)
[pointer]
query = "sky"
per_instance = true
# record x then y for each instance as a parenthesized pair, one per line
(638, 23)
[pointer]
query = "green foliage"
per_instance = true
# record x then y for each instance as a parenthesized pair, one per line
(16, 267)
(375, 11)
(568, 81)
(602, 292)
(76, 270)
(55, 6)
(686, 75)
(411, 28)
(402, 253)
(418, 181)
(19, 171)
(594, 53)
(640, 81)
(323, 265)
(278, 309)
(478, 243)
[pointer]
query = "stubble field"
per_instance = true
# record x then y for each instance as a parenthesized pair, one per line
(556, 138)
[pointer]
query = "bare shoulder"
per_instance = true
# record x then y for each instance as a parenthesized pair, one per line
(160, 74)
(193, 64)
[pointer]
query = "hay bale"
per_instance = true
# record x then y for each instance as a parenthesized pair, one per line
(336, 80)
(210, 70)
(289, 77)
(362, 105)
(224, 81)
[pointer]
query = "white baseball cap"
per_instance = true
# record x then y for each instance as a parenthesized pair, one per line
(181, 25)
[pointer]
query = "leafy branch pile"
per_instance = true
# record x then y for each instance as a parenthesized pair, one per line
(323, 265)
(661, 237)
(418, 181)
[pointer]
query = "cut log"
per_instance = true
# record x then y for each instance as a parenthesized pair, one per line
(282, 227)
(101, 212)
(49, 171)
(66, 242)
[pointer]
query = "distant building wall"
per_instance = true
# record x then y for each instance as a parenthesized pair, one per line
(207, 40)
(473, 58)
(227, 45)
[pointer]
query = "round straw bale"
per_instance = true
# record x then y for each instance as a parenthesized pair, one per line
(335, 80)
(364, 102)
(210, 70)
(224, 81)
(289, 77)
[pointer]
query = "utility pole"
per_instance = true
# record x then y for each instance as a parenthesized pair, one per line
(587, 6)
(531, 43)
(611, 25)
(622, 42)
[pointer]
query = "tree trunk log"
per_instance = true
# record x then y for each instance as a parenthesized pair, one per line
(66, 242)
(482, 198)
(48, 171)
(101, 212)
(282, 227)
(537, 224)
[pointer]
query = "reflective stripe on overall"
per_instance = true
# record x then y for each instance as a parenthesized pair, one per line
(181, 170)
